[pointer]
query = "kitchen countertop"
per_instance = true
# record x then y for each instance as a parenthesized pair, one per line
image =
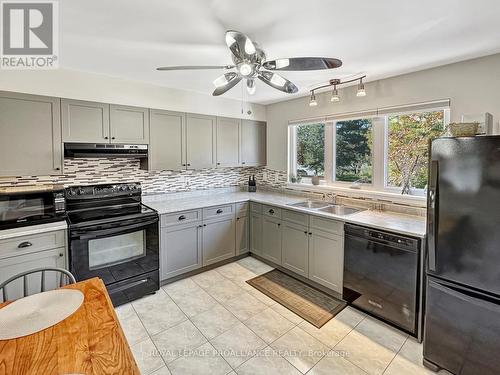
(394, 222)
(33, 229)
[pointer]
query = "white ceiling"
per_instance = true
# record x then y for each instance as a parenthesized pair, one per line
(130, 38)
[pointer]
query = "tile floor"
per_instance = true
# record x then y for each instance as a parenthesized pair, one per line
(215, 323)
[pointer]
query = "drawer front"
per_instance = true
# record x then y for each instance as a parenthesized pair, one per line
(295, 217)
(271, 211)
(218, 211)
(30, 244)
(328, 225)
(242, 209)
(256, 207)
(180, 218)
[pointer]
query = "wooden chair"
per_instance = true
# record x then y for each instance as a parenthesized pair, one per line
(65, 277)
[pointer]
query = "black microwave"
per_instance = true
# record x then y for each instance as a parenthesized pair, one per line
(31, 205)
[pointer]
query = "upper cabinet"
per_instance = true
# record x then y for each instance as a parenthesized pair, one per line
(200, 141)
(128, 124)
(85, 121)
(167, 148)
(93, 122)
(227, 145)
(252, 143)
(30, 135)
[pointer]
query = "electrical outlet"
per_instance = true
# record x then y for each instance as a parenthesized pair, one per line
(264, 176)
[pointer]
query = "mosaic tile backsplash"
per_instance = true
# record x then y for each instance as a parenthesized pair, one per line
(86, 171)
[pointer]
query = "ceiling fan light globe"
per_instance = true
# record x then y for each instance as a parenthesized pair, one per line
(282, 63)
(245, 69)
(249, 47)
(251, 86)
(278, 80)
(220, 81)
(230, 40)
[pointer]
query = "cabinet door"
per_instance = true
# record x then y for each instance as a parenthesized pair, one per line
(326, 259)
(129, 124)
(85, 121)
(180, 250)
(200, 141)
(15, 265)
(256, 233)
(30, 135)
(271, 239)
(295, 248)
(218, 240)
(253, 143)
(242, 235)
(227, 144)
(166, 144)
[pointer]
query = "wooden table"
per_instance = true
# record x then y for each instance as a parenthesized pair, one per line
(89, 342)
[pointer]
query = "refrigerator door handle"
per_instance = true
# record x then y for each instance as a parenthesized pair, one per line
(432, 212)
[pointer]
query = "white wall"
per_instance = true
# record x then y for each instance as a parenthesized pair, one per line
(101, 88)
(473, 87)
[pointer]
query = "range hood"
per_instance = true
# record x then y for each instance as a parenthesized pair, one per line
(104, 150)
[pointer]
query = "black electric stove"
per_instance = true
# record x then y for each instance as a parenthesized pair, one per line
(113, 236)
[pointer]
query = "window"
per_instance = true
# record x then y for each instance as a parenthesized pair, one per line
(407, 148)
(385, 151)
(309, 150)
(353, 151)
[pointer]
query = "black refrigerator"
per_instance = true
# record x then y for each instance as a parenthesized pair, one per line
(462, 317)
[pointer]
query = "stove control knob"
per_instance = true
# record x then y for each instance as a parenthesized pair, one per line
(80, 191)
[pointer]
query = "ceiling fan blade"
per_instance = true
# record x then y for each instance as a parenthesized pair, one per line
(278, 82)
(303, 63)
(195, 67)
(225, 82)
(240, 45)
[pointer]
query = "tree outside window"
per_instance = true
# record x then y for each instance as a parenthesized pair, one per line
(310, 150)
(407, 150)
(353, 142)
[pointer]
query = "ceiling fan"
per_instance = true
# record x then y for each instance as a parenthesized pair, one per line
(250, 63)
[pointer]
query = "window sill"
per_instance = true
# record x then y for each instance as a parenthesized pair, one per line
(363, 192)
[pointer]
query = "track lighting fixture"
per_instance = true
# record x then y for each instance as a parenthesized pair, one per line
(312, 101)
(335, 93)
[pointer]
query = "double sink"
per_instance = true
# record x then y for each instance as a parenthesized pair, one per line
(335, 209)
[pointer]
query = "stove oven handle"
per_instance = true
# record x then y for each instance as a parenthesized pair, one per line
(89, 233)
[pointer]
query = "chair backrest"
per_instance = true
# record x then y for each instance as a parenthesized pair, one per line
(65, 277)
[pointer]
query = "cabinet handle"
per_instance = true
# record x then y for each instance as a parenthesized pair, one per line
(219, 211)
(106, 137)
(61, 254)
(310, 233)
(57, 168)
(200, 226)
(243, 162)
(182, 217)
(218, 163)
(237, 218)
(204, 225)
(112, 137)
(183, 165)
(189, 165)
(271, 211)
(24, 244)
(305, 232)
(279, 224)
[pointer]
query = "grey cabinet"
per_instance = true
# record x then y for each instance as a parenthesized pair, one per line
(30, 135)
(326, 259)
(180, 249)
(167, 140)
(252, 143)
(200, 141)
(84, 121)
(128, 124)
(295, 248)
(242, 228)
(218, 239)
(271, 239)
(227, 144)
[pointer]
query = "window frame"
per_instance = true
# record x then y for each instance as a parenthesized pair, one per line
(380, 134)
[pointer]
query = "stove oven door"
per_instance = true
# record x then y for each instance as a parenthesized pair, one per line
(124, 254)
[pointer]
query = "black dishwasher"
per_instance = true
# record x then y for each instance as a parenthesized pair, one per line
(381, 275)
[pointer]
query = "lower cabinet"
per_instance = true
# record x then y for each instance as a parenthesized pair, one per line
(180, 249)
(242, 235)
(14, 265)
(218, 239)
(271, 239)
(326, 259)
(256, 233)
(295, 244)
